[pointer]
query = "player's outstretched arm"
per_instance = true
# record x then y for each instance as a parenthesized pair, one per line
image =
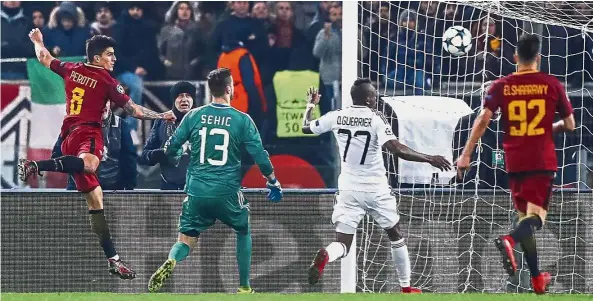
(564, 108)
(313, 97)
(255, 148)
(478, 129)
(408, 154)
(565, 125)
(173, 148)
(43, 55)
(140, 112)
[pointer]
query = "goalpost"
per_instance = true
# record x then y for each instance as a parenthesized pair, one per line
(449, 229)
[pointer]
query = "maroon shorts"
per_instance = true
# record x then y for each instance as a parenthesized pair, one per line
(84, 139)
(534, 188)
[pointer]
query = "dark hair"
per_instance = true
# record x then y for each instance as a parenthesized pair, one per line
(528, 47)
(174, 16)
(357, 92)
(97, 44)
(218, 80)
(101, 5)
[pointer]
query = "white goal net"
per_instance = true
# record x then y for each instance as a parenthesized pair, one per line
(431, 97)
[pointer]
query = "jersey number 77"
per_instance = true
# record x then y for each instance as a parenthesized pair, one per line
(356, 134)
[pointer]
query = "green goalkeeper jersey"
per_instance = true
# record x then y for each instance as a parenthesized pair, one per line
(216, 135)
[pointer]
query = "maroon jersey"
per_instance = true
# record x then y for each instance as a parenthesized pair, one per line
(528, 102)
(88, 88)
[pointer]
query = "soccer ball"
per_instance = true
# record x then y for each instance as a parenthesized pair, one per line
(457, 40)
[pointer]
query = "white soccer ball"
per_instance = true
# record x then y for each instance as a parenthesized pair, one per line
(457, 40)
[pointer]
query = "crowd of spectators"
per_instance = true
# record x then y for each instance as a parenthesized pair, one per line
(184, 40)
(403, 45)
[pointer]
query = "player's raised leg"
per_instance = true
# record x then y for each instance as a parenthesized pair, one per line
(346, 215)
(531, 194)
(64, 164)
(335, 250)
(88, 184)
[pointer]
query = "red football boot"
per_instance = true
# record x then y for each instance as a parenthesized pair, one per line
(119, 269)
(411, 290)
(505, 244)
(540, 282)
(317, 266)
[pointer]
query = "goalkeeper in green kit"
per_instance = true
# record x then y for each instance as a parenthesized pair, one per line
(216, 133)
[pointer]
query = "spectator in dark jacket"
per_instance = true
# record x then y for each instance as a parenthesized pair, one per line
(261, 13)
(136, 51)
(286, 40)
(410, 54)
(173, 176)
(66, 32)
(316, 25)
(104, 21)
(117, 170)
(181, 44)
(328, 49)
(383, 30)
(240, 24)
(38, 18)
(320, 18)
(15, 42)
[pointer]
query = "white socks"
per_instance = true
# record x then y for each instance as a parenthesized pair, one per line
(401, 260)
(335, 250)
(116, 257)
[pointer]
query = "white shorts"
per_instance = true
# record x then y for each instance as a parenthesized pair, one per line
(351, 207)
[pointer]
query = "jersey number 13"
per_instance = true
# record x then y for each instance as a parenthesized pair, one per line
(224, 147)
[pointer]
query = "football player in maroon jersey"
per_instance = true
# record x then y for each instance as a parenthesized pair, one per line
(88, 87)
(528, 100)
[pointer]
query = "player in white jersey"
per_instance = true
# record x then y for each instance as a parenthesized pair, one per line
(362, 132)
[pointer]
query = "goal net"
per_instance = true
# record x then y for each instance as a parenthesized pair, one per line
(431, 96)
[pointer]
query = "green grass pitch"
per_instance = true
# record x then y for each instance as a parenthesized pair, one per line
(287, 297)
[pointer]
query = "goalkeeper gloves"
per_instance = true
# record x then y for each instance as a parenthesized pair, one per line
(275, 193)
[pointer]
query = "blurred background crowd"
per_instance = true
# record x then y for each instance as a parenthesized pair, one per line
(271, 46)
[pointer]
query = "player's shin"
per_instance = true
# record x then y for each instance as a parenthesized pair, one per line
(179, 251)
(530, 250)
(401, 261)
(65, 164)
(526, 228)
(101, 229)
(244, 258)
(336, 250)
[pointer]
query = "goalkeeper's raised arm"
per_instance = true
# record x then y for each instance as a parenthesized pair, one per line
(255, 148)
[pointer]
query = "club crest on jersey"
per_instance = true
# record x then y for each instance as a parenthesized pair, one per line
(388, 131)
(120, 89)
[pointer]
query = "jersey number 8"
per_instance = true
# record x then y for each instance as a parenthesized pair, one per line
(76, 101)
(518, 112)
